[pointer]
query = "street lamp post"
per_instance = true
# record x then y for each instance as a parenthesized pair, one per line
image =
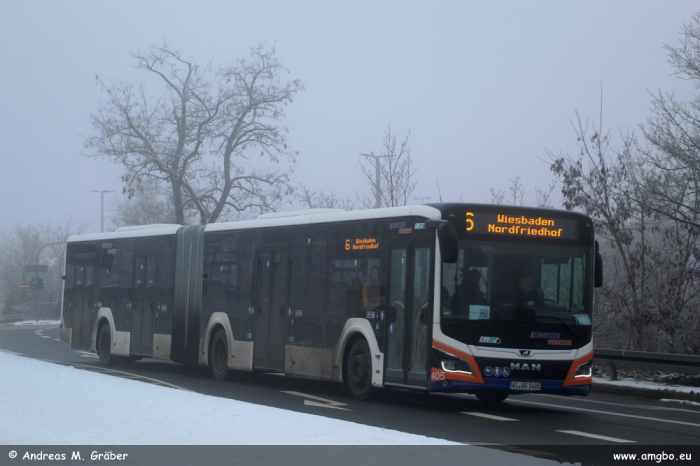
(377, 179)
(102, 209)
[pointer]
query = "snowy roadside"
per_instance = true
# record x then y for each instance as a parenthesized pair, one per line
(36, 322)
(40, 401)
(670, 393)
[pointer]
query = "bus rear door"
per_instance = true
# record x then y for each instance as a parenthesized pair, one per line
(84, 305)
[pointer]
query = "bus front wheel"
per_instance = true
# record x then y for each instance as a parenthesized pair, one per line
(219, 355)
(359, 370)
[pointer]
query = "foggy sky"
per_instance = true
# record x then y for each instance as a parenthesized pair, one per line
(484, 87)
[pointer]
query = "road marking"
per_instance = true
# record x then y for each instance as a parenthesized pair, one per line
(595, 436)
(45, 336)
(587, 410)
(324, 403)
(85, 354)
(490, 416)
(10, 352)
(106, 371)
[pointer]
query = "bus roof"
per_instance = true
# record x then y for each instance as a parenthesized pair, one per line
(316, 216)
(129, 232)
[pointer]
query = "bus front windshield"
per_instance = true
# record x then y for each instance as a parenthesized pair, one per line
(516, 295)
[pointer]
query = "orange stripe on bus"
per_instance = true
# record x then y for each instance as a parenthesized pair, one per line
(459, 376)
(570, 380)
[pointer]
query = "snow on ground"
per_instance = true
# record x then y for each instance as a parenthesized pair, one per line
(645, 385)
(682, 402)
(44, 403)
(36, 322)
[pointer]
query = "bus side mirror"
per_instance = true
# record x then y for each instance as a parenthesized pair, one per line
(447, 237)
(598, 279)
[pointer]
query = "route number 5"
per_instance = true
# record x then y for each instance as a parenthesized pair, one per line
(470, 222)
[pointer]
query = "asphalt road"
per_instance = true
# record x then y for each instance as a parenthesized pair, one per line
(545, 426)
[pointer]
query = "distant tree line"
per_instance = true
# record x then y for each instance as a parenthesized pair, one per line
(22, 246)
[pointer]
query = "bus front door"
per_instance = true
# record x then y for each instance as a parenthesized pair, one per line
(143, 303)
(271, 308)
(409, 316)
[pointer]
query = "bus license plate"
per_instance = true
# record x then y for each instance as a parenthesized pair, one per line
(534, 386)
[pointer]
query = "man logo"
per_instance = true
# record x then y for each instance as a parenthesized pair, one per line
(524, 352)
(516, 366)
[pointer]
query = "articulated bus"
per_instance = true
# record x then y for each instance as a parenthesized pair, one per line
(482, 299)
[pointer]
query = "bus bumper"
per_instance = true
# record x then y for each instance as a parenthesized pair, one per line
(547, 386)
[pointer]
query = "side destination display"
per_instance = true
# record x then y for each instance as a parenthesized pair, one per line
(520, 225)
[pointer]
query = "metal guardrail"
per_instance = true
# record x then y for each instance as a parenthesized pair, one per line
(648, 361)
(13, 318)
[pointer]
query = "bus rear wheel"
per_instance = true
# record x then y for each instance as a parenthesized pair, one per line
(492, 398)
(359, 370)
(104, 346)
(219, 355)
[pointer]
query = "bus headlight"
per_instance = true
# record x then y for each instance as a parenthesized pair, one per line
(584, 370)
(456, 365)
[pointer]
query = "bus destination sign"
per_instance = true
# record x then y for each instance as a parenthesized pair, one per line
(521, 225)
(360, 244)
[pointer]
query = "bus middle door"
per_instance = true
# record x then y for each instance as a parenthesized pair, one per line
(271, 308)
(409, 316)
(143, 303)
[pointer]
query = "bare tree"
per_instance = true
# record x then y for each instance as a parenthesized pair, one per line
(497, 197)
(544, 196)
(672, 176)
(394, 167)
(148, 205)
(200, 135)
(19, 247)
(517, 194)
(649, 298)
(314, 200)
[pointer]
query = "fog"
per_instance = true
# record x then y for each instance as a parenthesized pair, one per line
(484, 87)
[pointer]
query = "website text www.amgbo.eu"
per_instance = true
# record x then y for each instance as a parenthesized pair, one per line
(655, 457)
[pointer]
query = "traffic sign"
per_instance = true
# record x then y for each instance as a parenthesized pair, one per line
(25, 286)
